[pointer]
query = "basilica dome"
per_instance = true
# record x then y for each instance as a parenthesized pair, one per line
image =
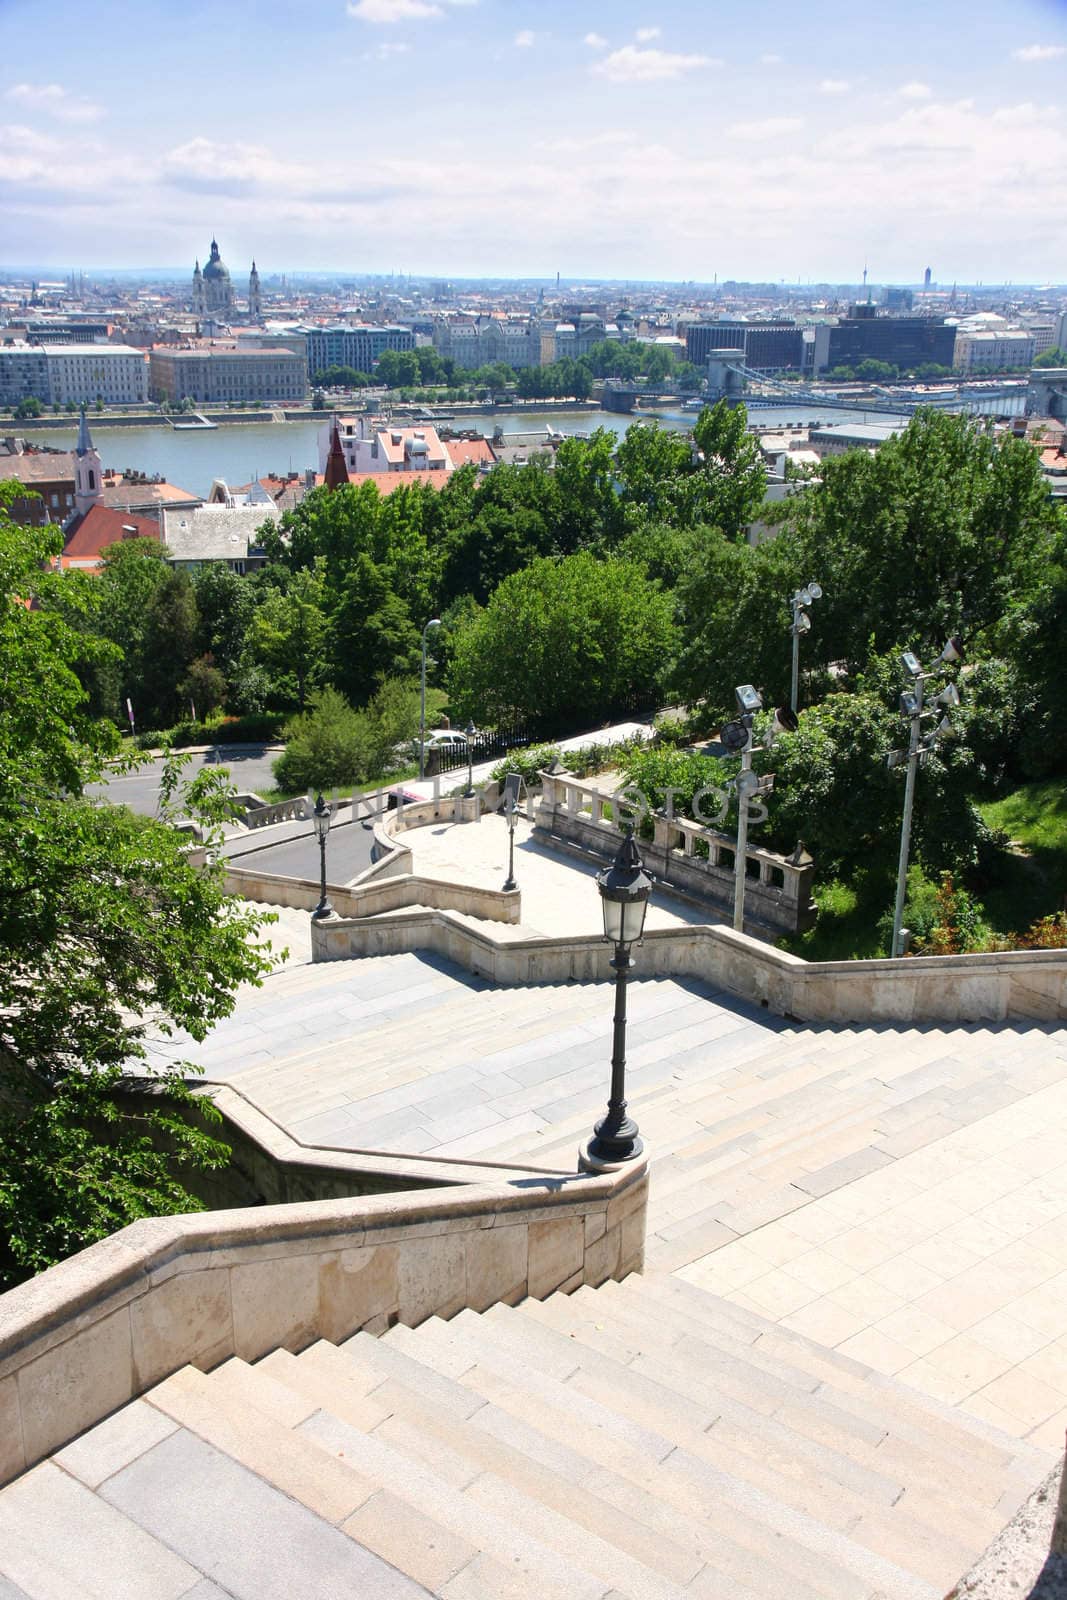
(216, 267)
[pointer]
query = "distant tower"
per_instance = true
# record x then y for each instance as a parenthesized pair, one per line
(87, 488)
(198, 289)
(336, 471)
(255, 304)
(926, 278)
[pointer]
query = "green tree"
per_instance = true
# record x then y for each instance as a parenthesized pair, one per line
(731, 482)
(1051, 358)
(204, 686)
(287, 636)
(29, 406)
(655, 468)
(169, 647)
(398, 367)
(563, 643)
(371, 633)
(326, 746)
(103, 925)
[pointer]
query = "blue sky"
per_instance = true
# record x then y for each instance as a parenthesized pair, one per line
(498, 137)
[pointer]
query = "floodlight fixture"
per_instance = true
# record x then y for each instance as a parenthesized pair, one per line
(949, 696)
(910, 704)
(953, 650)
(734, 737)
(815, 590)
(911, 664)
(944, 727)
(749, 699)
(785, 720)
(804, 597)
(803, 622)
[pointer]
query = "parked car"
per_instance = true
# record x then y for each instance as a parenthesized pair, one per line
(442, 739)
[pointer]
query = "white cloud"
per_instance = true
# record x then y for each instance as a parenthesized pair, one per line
(596, 41)
(1039, 52)
(630, 65)
(389, 11)
(387, 49)
(524, 38)
(834, 86)
(56, 101)
(1026, 115)
(644, 35)
(915, 91)
(771, 61)
(767, 128)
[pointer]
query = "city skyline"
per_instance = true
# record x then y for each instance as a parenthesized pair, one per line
(478, 139)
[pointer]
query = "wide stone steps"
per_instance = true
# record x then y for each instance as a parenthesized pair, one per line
(643, 1441)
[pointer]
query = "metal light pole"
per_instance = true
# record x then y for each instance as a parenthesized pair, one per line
(736, 737)
(624, 891)
(470, 730)
(322, 818)
(913, 707)
(434, 622)
(801, 624)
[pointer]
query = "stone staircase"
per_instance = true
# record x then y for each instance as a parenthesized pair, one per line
(644, 1440)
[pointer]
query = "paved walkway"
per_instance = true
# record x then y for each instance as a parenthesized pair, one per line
(559, 894)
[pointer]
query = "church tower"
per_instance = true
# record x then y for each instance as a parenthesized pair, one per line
(88, 491)
(255, 305)
(198, 289)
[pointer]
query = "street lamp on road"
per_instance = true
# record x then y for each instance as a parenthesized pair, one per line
(322, 817)
(624, 891)
(919, 746)
(434, 622)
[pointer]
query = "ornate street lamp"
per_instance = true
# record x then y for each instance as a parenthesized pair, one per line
(322, 817)
(624, 891)
(470, 730)
(513, 786)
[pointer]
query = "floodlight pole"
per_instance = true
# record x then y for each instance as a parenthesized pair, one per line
(794, 682)
(741, 856)
(905, 826)
(434, 622)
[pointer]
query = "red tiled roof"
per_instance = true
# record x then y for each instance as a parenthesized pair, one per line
(389, 482)
(462, 451)
(88, 535)
(39, 468)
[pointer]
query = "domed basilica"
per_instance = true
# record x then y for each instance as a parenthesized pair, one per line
(213, 291)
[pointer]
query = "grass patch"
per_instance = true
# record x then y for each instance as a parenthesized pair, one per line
(1032, 884)
(847, 926)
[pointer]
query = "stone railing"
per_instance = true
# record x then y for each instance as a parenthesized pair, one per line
(996, 987)
(284, 811)
(688, 857)
(370, 897)
(89, 1335)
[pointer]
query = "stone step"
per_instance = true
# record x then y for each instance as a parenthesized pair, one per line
(601, 1429)
(946, 1426)
(324, 1461)
(785, 1469)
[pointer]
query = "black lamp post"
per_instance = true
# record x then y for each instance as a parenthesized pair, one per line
(512, 793)
(470, 730)
(624, 891)
(322, 818)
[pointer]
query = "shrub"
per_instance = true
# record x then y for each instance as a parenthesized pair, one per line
(529, 762)
(327, 746)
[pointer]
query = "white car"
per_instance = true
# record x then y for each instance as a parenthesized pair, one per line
(443, 739)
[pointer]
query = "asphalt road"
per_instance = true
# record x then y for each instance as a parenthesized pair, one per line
(348, 851)
(250, 768)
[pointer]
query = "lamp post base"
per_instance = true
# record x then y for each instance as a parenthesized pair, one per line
(613, 1145)
(323, 910)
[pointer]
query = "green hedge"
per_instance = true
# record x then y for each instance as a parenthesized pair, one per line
(259, 727)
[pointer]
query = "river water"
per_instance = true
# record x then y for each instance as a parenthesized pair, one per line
(241, 451)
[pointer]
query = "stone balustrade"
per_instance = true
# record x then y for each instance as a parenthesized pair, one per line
(284, 811)
(84, 1338)
(372, 897)
(692, 859)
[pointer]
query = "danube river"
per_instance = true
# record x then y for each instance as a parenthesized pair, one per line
(240, 451)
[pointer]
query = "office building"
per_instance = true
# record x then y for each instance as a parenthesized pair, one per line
(217, 376)
(357, 345)
(767, 346)
(58, 374)
(864, 336)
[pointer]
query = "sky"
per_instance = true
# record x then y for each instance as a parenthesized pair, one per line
(685, 139)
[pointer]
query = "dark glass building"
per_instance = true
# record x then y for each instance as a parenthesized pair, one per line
(768, 346)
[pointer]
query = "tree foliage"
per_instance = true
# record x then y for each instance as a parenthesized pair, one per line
(104, 927)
